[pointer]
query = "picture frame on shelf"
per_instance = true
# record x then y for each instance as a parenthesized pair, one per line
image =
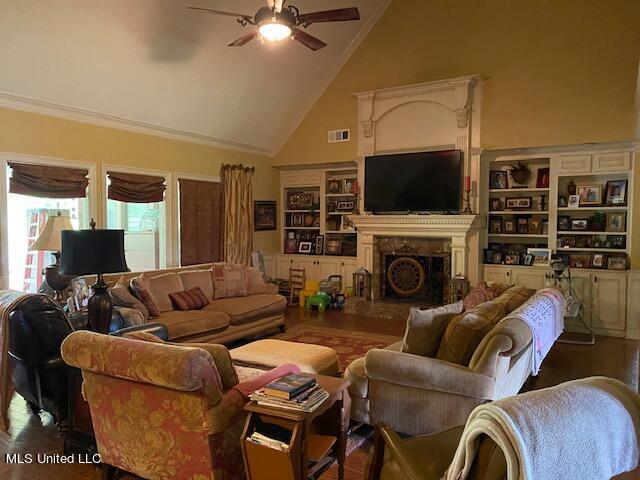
(616, 222)
(350, 185)
(564, 223)
(542, 178)
(583, 241)
(580, 224)
(573, 201)
(599, 260)
(498, 180)
(345, 205)
(509, 226)
(567, 241)
(617, 262)
(616, 193)
(304, 247)
(523, 226)
(541, 256)
(333, 246)
(512, 259)
(527, 259)
(291, 245)
(518, 203)
(346, 224)
(617, 241)
(291, 234)
(590, 195)
(495, 205)
(545, 227)
(334, 186)
(297, 219)
(579, 260)
(535, 225)
(497, 258)
(488, 255)
(563, 201)
(319, 244)
(599, 241)
(495, 227)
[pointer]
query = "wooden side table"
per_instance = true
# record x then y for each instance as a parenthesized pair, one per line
(329, 421)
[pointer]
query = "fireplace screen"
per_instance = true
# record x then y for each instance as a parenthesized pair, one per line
(414, 278)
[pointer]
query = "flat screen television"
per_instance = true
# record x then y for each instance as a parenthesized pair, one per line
(414, 182)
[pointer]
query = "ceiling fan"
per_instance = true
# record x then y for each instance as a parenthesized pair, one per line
(276, 22)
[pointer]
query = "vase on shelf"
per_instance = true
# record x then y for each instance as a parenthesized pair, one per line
(571, 187)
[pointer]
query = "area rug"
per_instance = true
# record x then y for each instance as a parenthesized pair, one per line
(348, 344)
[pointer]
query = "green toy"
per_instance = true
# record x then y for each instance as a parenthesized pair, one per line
(320, 300)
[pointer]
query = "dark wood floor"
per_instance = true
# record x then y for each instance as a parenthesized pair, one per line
(611, 357)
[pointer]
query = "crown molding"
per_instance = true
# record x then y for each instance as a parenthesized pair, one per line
(330, 77)
(33, 105)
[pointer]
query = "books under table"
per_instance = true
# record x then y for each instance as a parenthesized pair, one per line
(307, 401)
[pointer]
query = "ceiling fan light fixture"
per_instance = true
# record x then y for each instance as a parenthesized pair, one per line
(274, 31)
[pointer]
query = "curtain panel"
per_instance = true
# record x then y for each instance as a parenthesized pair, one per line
(200, 222)
(134, 188)
(48, 182)
(238, 213)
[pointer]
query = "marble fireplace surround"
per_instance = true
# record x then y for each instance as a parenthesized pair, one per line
(460, 232)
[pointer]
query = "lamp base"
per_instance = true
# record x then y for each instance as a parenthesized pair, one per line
(100, 307)
(56, 280)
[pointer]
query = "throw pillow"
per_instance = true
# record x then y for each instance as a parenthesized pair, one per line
(425, 328)
(229, 280)
(192, 299)
(480, 294)
(142, 287)
(162, 286)
(255, 282)
(515, 297)
(122, 297)
(198, 278)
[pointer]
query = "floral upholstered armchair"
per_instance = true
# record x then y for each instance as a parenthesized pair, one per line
(161, 411)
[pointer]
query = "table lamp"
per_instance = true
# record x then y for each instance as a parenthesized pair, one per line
(89, 252)
(50, 240)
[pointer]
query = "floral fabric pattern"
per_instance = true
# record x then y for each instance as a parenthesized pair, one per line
(229, 280)
(480, 294)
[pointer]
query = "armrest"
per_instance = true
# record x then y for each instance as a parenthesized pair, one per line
(426, 373)
(156, 329)
(222, 359)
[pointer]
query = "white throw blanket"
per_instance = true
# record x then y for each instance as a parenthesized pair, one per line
(586, 429)
(544, 314)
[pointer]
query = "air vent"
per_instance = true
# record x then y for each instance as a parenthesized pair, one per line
(337, 136)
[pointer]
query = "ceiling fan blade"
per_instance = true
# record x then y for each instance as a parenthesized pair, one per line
(243, 40)
(220, 12)
(340, 15)
(308, 40)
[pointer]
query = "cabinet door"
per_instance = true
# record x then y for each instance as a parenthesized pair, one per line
(328, 266)
(298, 178)
(270, 265)
(572, 164)
(611, 162)
(349, 266)
(308, 264)
(283, 263)
(497, 274)
(529, 277)
(609, 298)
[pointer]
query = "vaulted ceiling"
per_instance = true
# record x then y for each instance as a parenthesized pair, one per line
(154, 64)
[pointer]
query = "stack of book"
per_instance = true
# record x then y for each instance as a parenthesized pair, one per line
(294, 392)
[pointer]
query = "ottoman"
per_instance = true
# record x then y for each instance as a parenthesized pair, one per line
(270, 353)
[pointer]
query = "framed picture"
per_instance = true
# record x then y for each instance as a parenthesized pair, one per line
(598, 260)
(580, 260)
(304, 247)
(81, 292)
(574, 201)
(617, 261)
(568, 241)
(350, 185)
(495, 204)
(541, 256)
(346, 223)
(498, 180)
(297, 219)
(564, 223)
(589, 195)
(333, 247)
(523, 226)
(345, 205)
(535, 225)
(617, 241)
(512, 259)
(542, 180)
(583, 241)
(264, 215)
(291, 245)
(616, 192)
(488, 255)
(518, 203)
(562, 201)
(497, 257)
(319, 244)
(545, 227)
(334, 186)
(509, 226)
(527, 259)
(495, 226)
(579, 224)
(616, 222)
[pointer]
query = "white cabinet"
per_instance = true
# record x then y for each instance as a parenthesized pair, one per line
(317, 267)
(609, 300)
(572, 164)
(596, 163)
(497, 274)
(611, 162)
(581, 282)
(327, 267)
(530, 277)
(349, 266)
(301, 178)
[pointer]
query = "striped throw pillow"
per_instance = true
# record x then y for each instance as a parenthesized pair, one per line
(193, 299)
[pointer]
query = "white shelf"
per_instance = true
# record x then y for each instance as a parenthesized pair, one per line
(517, 190)
(541, 160)
(590, 209)
(301, 211)
(340, 195)
(341, 232)
(514, 235)
(519, 212)
(302, 228)
(583, 232)
(600, 249)
(340, 213)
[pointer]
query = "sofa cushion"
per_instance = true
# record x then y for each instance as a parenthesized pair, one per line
(465, 331)
(425, 328)
(162, 286)
(198, 278)
(192, 299)
(255, 282)
(516, 297)
(122, 297)
(246, 309)
(142, 287)
(193, 322)
(229, 280)
(480, 294)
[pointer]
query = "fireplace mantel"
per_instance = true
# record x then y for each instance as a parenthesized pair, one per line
(461, 229)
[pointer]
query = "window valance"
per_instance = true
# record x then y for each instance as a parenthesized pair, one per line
(47, 181)
(134, 188)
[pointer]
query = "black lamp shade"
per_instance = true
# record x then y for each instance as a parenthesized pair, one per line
(86, 252)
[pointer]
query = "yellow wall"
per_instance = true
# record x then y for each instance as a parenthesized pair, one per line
(557, 71)
(34, 134)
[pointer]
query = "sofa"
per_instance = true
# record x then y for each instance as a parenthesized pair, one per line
(252, 311)
(460, 360)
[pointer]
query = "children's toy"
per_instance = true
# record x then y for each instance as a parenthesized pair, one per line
(310, 288)
(320, 300)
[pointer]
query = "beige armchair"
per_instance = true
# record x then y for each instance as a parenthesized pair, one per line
(420, 394)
